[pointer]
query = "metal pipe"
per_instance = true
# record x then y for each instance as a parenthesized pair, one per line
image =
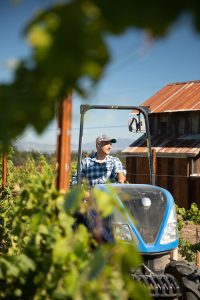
(143, 110)
(80, 148)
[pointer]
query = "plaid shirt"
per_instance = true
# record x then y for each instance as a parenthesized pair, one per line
(97, 173)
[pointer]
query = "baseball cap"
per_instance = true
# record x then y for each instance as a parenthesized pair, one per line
(105, 138)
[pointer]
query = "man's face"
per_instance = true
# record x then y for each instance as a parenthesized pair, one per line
(104, 147)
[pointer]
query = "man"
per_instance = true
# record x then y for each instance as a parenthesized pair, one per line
(101, 167)
(96, 169)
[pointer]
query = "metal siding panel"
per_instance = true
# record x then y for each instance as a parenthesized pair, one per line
(181, 191)
(139, 171)
(172, 175)
(128, 168)
(180, 167)
(194, 191)
(197, 166)
(162, 174)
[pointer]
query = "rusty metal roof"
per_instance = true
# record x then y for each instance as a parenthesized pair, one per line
(181, 96)
(182, 146)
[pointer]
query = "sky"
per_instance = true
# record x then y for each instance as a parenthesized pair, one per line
(138, 69)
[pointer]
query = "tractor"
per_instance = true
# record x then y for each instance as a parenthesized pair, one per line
(150, 222)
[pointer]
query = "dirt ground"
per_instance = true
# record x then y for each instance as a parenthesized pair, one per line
(191, 233)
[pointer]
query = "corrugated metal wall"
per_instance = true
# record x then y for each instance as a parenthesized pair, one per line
(175, 123)
(171, 174)
(137, 170)
(194, 184)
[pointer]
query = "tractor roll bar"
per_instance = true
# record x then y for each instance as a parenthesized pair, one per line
(143, 109)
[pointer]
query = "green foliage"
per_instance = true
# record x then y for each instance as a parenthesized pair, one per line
(69, 52)
(44, 257)
(188, 250)
(192, 214)
(17, 178)
(19, 158)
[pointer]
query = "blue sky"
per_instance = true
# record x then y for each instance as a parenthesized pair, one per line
(139, 68)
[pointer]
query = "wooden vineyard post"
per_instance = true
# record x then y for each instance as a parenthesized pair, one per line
(174, 255)
(198, 252)
(63, 149)
(154, 165)
(198, 259)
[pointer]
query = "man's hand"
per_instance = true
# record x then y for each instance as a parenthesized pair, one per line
(86, 196)
(121, 178)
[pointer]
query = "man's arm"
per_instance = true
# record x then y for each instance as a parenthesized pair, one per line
(119, 171)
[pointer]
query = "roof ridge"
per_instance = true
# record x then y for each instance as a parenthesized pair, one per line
(184, 82)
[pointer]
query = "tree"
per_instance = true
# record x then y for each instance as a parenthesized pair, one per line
(69, 49)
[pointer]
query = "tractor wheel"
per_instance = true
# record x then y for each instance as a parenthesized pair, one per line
(188, 277)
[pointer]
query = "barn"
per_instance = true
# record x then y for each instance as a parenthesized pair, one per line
(174, 116)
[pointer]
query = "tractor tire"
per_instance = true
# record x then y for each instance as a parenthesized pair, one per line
(188, 276)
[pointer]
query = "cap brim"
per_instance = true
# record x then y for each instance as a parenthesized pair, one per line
(113, 141)
(107, 140)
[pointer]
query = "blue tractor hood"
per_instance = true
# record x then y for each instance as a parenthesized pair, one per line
(150, 219)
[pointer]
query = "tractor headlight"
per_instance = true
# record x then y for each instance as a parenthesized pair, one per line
(171, 230)
(122, 232)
